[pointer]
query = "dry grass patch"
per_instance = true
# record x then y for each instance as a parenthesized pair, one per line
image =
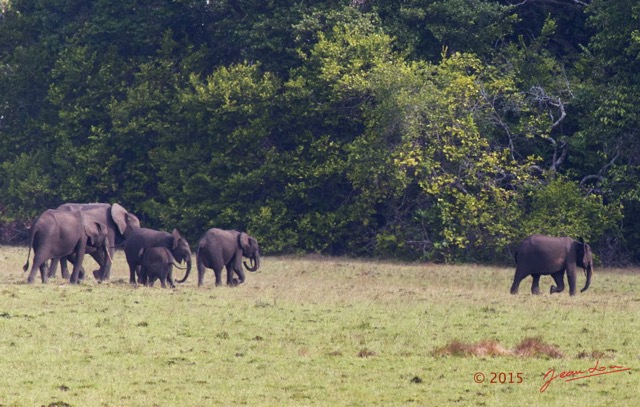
(462, 349)
(536, 348)
(596, 354)
(528, 348)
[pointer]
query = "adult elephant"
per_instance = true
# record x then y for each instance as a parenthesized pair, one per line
(545, 255)
(225, 248)
(120, 223)
(142, 238)
(64, 234)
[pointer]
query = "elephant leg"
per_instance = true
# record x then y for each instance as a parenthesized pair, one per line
(132, 274)
(77, 262)
(559, 279)
(105, 268)
(143, 275)
(230, 280)
(535, 285)
(149, 279)
(64, 269)
(104, 271)
(517, 278)
(201, 271)
(217, 271)
(240, 274)
(32, 274)
(170, 280)
(97, 274)
(571, 277)
(132, 260)
(53, 267)
(44, 272)
(39, 263)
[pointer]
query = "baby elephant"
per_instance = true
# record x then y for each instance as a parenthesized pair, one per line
(157, 263)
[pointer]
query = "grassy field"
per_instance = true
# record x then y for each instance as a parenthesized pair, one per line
(318, 331)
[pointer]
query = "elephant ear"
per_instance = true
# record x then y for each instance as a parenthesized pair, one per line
(176, 238)
(119, 215)
(243, 241)
(95, 231)
(582, 253)
(586, 254)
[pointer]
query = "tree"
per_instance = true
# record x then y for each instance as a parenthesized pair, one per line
(210, 162)
(608, 106)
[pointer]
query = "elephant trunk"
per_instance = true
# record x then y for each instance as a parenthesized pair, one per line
(186, 275)
(255, 263)
(108, 259)
(101, 273)
(589, 272)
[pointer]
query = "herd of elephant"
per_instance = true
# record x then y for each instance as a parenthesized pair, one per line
(67, 233)
(73, 230)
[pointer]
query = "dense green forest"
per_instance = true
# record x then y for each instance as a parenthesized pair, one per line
(443, 130)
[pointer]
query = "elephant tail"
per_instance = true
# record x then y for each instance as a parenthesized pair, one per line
(26, 266)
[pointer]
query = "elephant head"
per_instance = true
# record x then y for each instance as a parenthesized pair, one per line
(250, 250)
(97, 237)
(584, 259)
(124, 220)
(96, 232)
(180, 250)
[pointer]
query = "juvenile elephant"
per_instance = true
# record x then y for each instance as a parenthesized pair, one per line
(119, 223)
(157, 263)
(57, 234)
(141, 239)
(225, 248)
(544, 255)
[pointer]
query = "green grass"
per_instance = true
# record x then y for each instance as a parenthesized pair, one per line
(311, 331)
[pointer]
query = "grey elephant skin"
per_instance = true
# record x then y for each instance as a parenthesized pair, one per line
(64, 234)
(157, 264)
(120, 223)
(141, 239)
(545, 255)
(225, 248)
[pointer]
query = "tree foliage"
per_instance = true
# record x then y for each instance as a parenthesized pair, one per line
(418, 129)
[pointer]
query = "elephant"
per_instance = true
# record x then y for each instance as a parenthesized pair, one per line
(119, 223)
(225, 248)
(157, 263)
(142, 238)
(100, 256)
(545, 255)
(64, 234)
